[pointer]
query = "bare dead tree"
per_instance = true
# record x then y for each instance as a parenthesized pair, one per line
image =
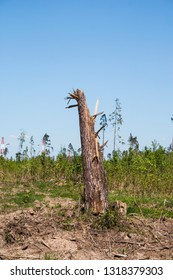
(95, 180)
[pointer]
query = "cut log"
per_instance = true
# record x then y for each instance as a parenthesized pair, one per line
(95, 180)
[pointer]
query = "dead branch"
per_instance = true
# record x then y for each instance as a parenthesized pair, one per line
(43, 243)
(73, 96)
(159, 248)
(96, 134)
(120, 255)
(96, 115)
(104, 144)
(71, 106)
(127, 242)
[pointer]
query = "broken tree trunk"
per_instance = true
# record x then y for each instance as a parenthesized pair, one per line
(95, 180)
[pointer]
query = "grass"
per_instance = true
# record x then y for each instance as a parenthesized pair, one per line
(147, 206)
(110, 219)
(18, 196)
(26, 199)
(65, 191)
(24, 195)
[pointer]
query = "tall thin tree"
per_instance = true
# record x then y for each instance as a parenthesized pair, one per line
(116, 120)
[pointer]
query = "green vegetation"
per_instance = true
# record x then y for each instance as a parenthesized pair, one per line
(50, 256)
(142, 179)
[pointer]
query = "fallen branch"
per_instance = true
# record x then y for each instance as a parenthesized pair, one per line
(158, 249)
(43, 243)
(127, 242)
(120, 256)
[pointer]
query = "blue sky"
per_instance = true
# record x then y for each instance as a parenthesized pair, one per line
(110, 49)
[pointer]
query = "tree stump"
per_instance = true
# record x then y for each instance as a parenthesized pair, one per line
(95, 180)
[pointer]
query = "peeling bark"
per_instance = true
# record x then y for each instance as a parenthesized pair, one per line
(95, 180)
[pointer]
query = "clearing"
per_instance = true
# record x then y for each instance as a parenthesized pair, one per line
(55, 229)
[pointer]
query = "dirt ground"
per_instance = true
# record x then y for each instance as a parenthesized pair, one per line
(41, 233)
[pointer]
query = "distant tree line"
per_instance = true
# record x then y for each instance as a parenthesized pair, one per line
(115, 119)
